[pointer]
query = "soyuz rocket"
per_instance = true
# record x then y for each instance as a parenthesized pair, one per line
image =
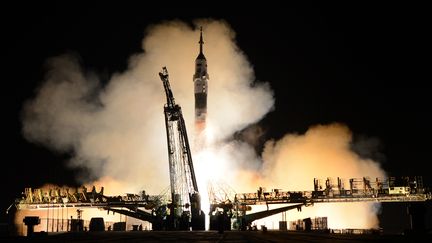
(200, 79)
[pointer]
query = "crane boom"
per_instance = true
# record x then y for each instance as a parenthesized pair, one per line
(186, 206)
(169, 95)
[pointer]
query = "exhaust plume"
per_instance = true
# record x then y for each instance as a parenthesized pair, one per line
(117, 130)
(323, 151)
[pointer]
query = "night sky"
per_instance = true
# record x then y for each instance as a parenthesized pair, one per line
(365, 67)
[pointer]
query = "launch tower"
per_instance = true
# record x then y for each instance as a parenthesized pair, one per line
(185, 208)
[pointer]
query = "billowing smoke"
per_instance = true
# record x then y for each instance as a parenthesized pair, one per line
(116, 130)
(323, 151)
(291, 163)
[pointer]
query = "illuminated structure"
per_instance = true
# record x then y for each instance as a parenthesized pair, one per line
(392, 189)
(185, 208)
(50, 203)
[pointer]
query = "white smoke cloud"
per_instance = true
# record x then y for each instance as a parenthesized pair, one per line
(323, 151)
(118, 131)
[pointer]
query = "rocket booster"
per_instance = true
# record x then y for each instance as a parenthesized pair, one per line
(200, 79)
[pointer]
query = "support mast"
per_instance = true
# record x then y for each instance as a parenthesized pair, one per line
(186, 203)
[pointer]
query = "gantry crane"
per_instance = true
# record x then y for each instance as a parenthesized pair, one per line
(185, 207)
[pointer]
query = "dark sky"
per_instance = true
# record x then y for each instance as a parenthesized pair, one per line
(366, 67)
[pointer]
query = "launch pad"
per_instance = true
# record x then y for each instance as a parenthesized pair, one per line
(183, 211)
(232, 213)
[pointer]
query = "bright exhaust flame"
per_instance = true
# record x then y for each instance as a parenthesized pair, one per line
(117, 130)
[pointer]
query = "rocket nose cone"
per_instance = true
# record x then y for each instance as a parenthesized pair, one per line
(201, 56)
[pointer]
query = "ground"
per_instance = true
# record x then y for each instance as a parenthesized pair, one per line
(214, 236)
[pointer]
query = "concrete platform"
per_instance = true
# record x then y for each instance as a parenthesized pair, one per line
(213, 236)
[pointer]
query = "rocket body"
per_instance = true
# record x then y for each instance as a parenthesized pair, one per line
(200, 79)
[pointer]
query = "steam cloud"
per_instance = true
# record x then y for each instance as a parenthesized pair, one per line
(117, 130)
(323, 151)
